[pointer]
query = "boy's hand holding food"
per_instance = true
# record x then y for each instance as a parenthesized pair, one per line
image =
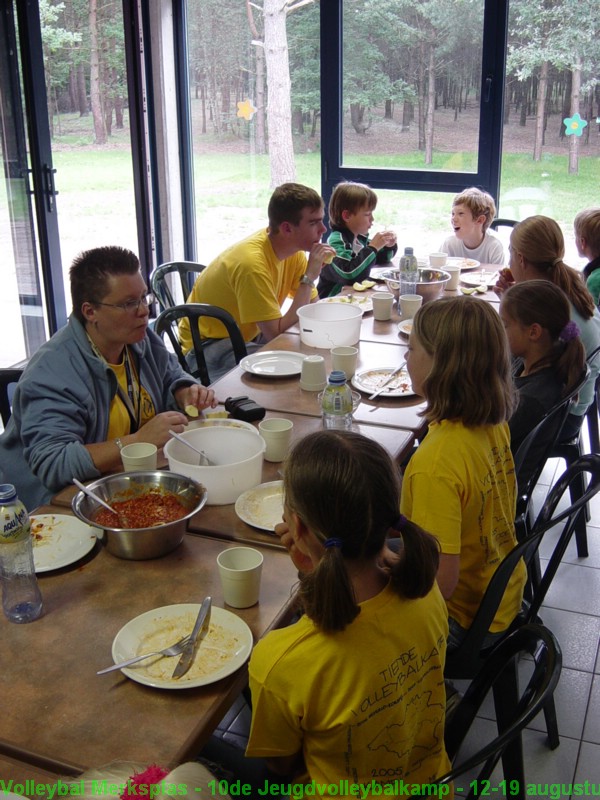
(504, 282)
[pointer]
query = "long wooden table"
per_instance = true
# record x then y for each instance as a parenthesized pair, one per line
(59, 716)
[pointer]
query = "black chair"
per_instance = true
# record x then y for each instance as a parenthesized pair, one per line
(573, 449)
(467, 660)
(502, 222)
(540, 644)
(9, 377)
(187, 271)
(167, 325)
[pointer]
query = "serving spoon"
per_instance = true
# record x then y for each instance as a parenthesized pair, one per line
(123, 520)
(204, 459)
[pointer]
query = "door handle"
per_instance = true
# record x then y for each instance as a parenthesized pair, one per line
(487, 89)
(49, 188)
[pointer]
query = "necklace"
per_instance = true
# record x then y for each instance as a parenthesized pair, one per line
(131, 400)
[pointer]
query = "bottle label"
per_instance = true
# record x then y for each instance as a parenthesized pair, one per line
(14, 523)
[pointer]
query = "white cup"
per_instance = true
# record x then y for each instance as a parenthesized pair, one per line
(438, 259)
(344, 358)
(139, 456)
(454, 273)
(277, 433)
(409, 305)
(240, 569)
(313, 377)
(382, 305)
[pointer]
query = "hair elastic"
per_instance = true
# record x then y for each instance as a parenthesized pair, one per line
(569, 332)
(150, 777)
(333, 543)
(399, 523)
(556, 261)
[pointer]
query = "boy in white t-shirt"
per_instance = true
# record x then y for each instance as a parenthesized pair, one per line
(472, 213)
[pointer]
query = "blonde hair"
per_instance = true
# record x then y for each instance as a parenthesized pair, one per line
(470, 378)
(540, 241)
(478, 202)
(587, 226)
(186, 777)
(349, 196)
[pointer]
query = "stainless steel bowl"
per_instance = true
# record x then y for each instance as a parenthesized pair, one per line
(141, 543)
(430, 285)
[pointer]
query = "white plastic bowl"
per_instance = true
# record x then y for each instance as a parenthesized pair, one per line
(237, 453)
(329, 325)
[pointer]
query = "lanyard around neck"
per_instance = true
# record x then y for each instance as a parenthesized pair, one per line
(132, 398)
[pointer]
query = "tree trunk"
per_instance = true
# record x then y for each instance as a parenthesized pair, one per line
(430, 107)
(82, 103)
(421, 99)
(357, 117)
(99, 131)
(407, 115)
(260, 141)
(541, 111)
(575, 97)
(389, 109)
(279, 109)
(566, 104)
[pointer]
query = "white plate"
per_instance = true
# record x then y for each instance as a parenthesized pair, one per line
(273, 363)
(262, 506)
(224, 649)
(405, 327)
(364, 302)
(376, 273)
(480, 277)
(463, 263)
(59, 540)
(369, 381)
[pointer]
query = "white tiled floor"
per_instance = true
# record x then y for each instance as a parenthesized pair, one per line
(572, 612)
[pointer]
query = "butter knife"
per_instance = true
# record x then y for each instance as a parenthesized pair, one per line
(388, 380)
(198, 633)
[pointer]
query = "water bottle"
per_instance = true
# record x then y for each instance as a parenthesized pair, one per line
(21, 597)
(409, 272)
(336, 403)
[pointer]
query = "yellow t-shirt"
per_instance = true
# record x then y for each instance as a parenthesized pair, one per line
(460, 486)
(364, 704)
(250, 282)
(119, 421)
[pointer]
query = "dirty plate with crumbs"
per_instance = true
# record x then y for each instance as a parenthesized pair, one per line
(370, 380)
(59, 540)
(261, 506)
(226, 646)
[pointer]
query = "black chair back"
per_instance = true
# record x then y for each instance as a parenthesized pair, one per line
(502, 222)
(531, 640)
(167, 325)
(187, 271)
(9, 377)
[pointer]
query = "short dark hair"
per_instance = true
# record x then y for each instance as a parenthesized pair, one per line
(287, 203)
(90, 270)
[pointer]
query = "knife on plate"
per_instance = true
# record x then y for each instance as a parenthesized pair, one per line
(198, 633)
(388, 380)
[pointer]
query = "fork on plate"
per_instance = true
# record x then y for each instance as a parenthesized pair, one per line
(173, 650)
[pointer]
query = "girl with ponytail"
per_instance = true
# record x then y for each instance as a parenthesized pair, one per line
(354, 690)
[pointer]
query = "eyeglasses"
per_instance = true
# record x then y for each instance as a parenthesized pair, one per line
(131, 306)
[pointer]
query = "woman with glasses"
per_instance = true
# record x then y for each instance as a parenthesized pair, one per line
(103, 381)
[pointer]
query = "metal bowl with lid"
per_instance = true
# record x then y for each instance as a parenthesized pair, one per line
(141, 543)
(430, 285)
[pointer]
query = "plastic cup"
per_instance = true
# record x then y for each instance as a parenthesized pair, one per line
(139, 456)
(313, 377)
(382, 305)
(409, 305)
(438, 259)
(240, 569)
(454, 273)
(277, 433)
(344, 358)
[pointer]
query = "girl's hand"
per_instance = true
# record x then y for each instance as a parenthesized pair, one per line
(301, 561)
(196, 396)
(504, 282)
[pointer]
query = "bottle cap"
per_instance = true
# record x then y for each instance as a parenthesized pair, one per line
(337, 377)
(7, 491)
(408, 251)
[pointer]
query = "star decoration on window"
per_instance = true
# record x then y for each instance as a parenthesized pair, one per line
(246, 109)
(574, 125)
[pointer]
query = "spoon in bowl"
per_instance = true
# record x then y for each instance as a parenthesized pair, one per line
(204, 459)
(95, 497)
